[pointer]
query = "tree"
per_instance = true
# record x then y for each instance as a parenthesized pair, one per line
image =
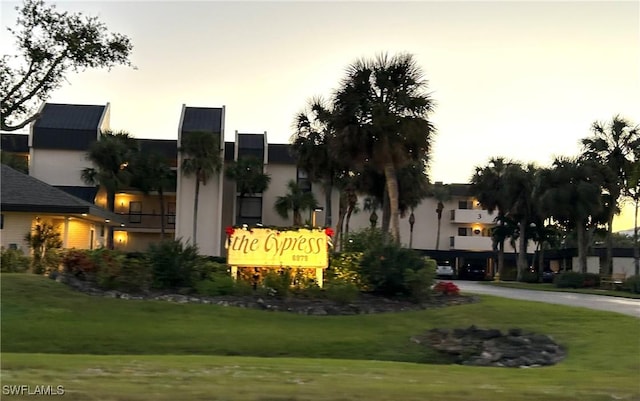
(573, 198)
(42, 239)
(201, 158)
(296, 200)
(380, 117)
(50, 44)
(633, 192)
(441, 193)
(152, 172)
(612, 145)
(310, 145)
(249, 177)
(371, 204)
(16, 162)
(110, 157)
(488, 186)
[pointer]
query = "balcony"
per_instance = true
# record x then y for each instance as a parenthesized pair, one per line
(142, 222)
(469, 216)
(471, 243)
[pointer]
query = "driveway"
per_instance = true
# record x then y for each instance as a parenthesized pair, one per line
(599, 302)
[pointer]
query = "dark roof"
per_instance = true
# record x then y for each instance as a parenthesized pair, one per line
(202, 119)
(165, 147)
(251, 141)
(460, 190)
(67, 126)
(85, 193)
(23, 193)
(279, 153)
(15, 143)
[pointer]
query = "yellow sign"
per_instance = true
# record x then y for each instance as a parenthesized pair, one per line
(266, 247)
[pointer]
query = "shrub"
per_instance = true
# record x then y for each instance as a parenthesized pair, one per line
(384, 269)
(78, 263)
(342, 292)
(364, 240)
(569, 280)
(590, 280)
(108, 267)
(135, 275)
(13, 261)
(632, 284)
(446, 288)
(345, 266)
(418, 283)
(216, 284)
(277, 283)
(173, 263)
(529, 276)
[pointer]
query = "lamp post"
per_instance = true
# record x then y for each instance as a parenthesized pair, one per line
(313, 216)
(412, 221)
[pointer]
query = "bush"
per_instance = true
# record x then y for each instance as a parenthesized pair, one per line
(13, 261)
(78, 263)
(632, 284)
(384, 269)
(342, 292)
(345, 266)
(529, 276)
(173, 263)
(569, 280)
(108, 265)
(216, 284)
(364, 240)
(277, 283)
(135, 275)
(418, 283)
(590, 280)
(446, 288)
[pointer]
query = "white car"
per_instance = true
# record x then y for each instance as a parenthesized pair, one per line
(444, 271)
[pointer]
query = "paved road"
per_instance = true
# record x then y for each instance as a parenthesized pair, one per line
(600, 302)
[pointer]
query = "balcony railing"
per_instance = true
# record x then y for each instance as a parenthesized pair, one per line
(148, 221)
(471, 243)
(467, 216)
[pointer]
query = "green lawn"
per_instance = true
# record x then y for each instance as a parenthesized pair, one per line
(111, 349)
(551, 287)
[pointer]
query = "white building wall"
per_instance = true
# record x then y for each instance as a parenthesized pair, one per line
(15, 227)
(623, 265)
(58, 167)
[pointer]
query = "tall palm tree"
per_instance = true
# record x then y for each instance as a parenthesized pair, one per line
(381, 110)
(612, 145)
(310, 146)
(573, 198)
(296, 200)
(152, 172)
(110, 157)
(248, 174)
(488, 186)
(441, 193)
(633, 192)
(202, 158)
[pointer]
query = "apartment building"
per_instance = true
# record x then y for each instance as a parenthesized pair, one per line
(57, 146)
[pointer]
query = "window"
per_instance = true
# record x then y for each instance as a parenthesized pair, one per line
(251, 145)
(302, 179)
(1, 221)
(462, 231)
(249, 210)
(463, 204)
(171, 213)
(135, 212)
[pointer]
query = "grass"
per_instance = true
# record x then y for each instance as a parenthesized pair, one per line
(552, 287)
(111, 349)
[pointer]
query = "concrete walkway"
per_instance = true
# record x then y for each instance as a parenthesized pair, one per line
(599, 302)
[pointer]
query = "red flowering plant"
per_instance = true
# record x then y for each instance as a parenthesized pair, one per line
(329, 231)
(229, 230)
(446, 288)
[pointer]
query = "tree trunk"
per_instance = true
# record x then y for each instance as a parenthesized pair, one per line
(501, 258)
(438, 233)
(162, 212)
(392, 188)
(608, 262)
(582, 247)
(347, 219)
(194, 238)
(297, 218)
(636, 245)
(522, 249)
(328, 189)
(386, 211)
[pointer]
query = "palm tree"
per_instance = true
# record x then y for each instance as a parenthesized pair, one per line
(310, 146)
(573, 198)
(440, 193)
(633, 192)
(249, 177)
(201, 158)
(110, 157)
(152, 172)
(296, 200)
(487, 185)
(380, 116)
(612, 145)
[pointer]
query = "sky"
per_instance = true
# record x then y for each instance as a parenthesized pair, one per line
(523, 80)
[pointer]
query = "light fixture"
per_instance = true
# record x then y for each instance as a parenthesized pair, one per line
(107, 220)
(121, 224)
(84, 215)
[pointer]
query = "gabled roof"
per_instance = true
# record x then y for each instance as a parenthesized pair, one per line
(202, 119)
(22, 193)
(67, 126)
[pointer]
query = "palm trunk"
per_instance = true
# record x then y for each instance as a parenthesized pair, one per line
(328, 189)
(297, 218)
(347, 219)
(392, 188)
(386, 211)
(194, 239)
(522, 249)
(582, 247)
(501, 258)
(162, 212)
(438, 232)
(636, 245)
(608, 263)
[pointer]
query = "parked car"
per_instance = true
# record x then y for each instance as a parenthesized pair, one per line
(444, 270)
(473, 272)
(548, 276)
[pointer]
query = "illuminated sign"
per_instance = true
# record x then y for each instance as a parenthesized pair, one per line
(266, 247)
